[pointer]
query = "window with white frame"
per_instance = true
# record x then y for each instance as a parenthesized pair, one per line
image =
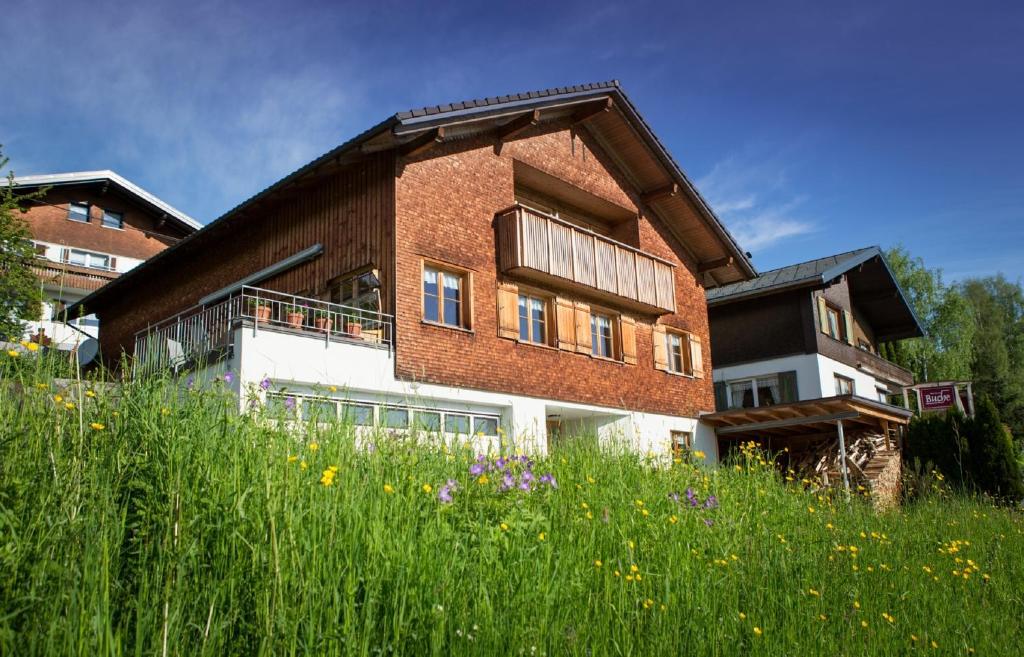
(78, 211)
(678, 349)
(113, 219)
(844, 385)
(89, 259)
(764, 390)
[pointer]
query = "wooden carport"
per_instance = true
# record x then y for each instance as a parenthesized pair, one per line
(800, 426)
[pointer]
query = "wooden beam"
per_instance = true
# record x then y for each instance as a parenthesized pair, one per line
(714, 264)
(796, 421)
(423, 143)
(589, 111)
(518, 125)
(660, 193)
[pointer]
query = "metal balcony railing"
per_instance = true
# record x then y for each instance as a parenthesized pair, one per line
(201, 333)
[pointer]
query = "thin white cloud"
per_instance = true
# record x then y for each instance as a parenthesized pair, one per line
(750, 194)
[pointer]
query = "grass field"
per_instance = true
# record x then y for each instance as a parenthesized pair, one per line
(161, 522)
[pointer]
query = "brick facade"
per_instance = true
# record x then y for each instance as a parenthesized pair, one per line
(446, 202)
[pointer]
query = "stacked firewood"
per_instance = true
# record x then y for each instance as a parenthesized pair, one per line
(866, 456)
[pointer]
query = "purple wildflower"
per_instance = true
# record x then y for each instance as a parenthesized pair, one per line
(477, 469)
(507, 481)
(265, 383)
(228, 377)
(527, 476)
(708, 521)
(549, 479)
(711, 502)
(445, 494)
(501, 463)
(190, 381)
(691, 497)
(289, 403)
(674, 496)
(524, 486)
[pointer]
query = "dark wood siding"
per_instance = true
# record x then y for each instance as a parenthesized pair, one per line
(767, 327)
(349, 211)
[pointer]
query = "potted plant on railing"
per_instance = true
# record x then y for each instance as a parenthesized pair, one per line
(295, 315)
(260, 309)
(323, 321)
(353, 326)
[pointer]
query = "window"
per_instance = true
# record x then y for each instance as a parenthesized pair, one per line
(319, 410)
(78, 212)
(682, 443)
(444, 297)
(487, 426)
(395, 418)
(833, 322)
(533, 319)
(428, 420)
(601, 337)
(765, 390)
(456, 423)
(89, 259)
(360, 415)
(678, 353)
(357, 290)
(113, 219)
(883, 395)
(844, 385)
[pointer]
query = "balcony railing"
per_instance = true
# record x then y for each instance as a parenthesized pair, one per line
(541, 247)
(201, 333)
(882, 368)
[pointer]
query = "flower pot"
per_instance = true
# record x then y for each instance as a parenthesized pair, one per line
(262, 314)
(323, 324)
(354, 329)
(295, 320)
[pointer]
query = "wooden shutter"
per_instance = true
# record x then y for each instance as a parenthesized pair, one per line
(660, 348)
(848, 325)
(508, 311)
(627, 333)
(113, 263)
(721, 400)
(565, 324)
(696, 357)
(822, 315)
(583, 344)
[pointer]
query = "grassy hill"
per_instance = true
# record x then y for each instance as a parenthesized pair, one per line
(160, 522)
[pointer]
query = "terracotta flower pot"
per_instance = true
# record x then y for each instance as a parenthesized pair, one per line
(295, 320)
(262, 314)
(323, 324)
(354, 329)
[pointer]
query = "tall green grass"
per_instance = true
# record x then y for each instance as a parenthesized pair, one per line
(152, 520)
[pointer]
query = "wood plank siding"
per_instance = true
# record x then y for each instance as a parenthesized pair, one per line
(350, 212)
(532, 244)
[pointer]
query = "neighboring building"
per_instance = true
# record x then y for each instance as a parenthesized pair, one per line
(808, 331)
(534, 262)
(88, 229)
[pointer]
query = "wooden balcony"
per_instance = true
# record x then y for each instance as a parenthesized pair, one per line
(538, 247)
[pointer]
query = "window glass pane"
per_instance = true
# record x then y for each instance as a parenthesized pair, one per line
(452, 300)
(78, 258)
(396, 418)
(361, 415)
(833, 323)
(319, 410)
(741, 394)
(601, 335)
(99, 261)
(524, 319)
(768, 391)
(844, 386)
(456, 423)
(430, 295)
(537, 320)
(78, 212)
(488, 426)
(428, 420)
(113, 219)
(675, 353)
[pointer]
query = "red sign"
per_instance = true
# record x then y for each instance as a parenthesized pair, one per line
(937, 398)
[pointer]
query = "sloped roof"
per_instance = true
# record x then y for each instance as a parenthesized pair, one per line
(812, 272)
(873, 287)
(111, 177)
(460, 119)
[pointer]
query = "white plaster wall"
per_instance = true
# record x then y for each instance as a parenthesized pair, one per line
(808, 377)
(54, 251)
(364, 372)
(864, 384)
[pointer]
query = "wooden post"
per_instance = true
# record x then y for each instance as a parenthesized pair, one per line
(885, 430)
(842, 456)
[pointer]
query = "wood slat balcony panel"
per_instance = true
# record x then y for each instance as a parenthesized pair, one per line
(646, 288)
(666, 290)
(626, 269)
(508, 241)
(535, 242)
(586, 268)
(607, 277)
(561, 251)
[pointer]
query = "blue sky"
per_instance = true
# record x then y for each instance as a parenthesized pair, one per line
(812, 129)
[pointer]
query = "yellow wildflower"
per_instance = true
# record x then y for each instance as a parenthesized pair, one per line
(58, 398)
(856, 604)
(814, 593)
(597, 563)
(810, 509)
(69, 406)
(293, 458)
(332, 388)
(504, 527)
(389, 489)
(482, 480)
(743, 616)
(863, 623)
(822, 617)
(314, 446)
(96, 426)
(32, 346)
(12, 353)
(673, 520)
(698, 454)
(427, 488)
(42, 386)
(757, 631)
(303, 465)
(541, 536)
(90, 393)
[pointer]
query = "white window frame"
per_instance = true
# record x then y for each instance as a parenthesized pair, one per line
(120, 219)
(752, 380)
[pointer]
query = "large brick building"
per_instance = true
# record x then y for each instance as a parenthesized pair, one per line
(533, 262)
(89, 228)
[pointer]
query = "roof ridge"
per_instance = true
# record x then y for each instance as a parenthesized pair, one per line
(429, 110)
(806, 262)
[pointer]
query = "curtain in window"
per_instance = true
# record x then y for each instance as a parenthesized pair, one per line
(741, 394)
(431, 309)
(768, 391)
(452, 300)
